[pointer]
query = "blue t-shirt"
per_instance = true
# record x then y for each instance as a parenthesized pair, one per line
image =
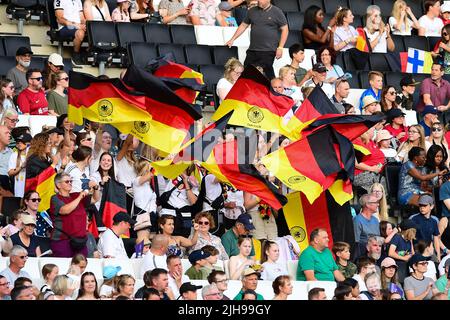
(364, 228)
(444, 193)
(369, 92)
(427, 228)
(402, 246)
(406, 182)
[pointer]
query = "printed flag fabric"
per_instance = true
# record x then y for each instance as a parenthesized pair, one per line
(419, 61)
(113, 201)
(361, 41)
(40, 179)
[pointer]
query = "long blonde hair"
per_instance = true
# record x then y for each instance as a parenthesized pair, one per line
(383, 208)
(407, 145)
(396, 13)
(371, 26)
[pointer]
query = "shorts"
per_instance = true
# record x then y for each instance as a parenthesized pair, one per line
(67, 32)
(403, 199)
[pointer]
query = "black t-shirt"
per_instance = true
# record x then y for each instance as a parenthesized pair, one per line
(31, 249)
(265, 24)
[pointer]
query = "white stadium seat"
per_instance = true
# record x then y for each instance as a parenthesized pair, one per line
(265, 289)
(62, 263)
(234, 286)
(4, 262)
(242, 41)
(209, 35)
(32, 267)
(137, 285)
(199, 291)
(96, 267)
(299, 290)
(329, 287)
(125, 264)
(24, 120)
(186, 265)
(137, 264)
(292, 268)
(36, 122)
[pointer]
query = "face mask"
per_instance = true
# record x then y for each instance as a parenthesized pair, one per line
(24, 64)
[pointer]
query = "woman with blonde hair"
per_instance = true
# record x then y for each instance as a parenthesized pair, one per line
(378, 33)
(287, 76)
(402, 19)
(416, 138)
(282, 287)
(96, 10)
(377, 190)
(233, 70)
(63, 288)
(401, 247)
(125, 286)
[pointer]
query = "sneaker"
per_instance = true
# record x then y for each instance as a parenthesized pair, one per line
(77, 60)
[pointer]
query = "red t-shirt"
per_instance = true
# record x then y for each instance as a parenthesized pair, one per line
(73, 223)
(396, 132)
(375, 157)
(34, 103)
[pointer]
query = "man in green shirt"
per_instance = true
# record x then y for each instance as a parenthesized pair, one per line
(198, 260)
(316, 263)
(249, 282)
(242, 227)
(443, 284)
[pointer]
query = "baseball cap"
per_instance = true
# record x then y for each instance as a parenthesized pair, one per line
(408, 80)
(246, 220)
(187, 286)
(27, 219)
(197, 255)
(416, 258)
(110, 271)
(225, 6)
(426, 199)
(123, 216)
(383, 135)
(429, 109)
(319, 67)
(23, 51)
(407, 224)
(394, 113)
(388, 262)
(56, 60)
(24, 137)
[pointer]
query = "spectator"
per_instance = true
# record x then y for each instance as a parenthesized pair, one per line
(441, 51)
(249, 295)
(417, 286)
(373, 250)
(242, 227)
(160, 281)
(401, 247)
(426, 249)
(384, 144)
(128, 169)
(26, 238)
(444, 228)
(271, 268)
(210, 292)
(142, 11)
(71, 23)
(249, 282)
(7, 93)
(121, 12)
(354, 284)
(206, 222)
(437, 138)
(88, 287)
(55, 63)
(343, 292)
(219, 279)
(109, 277)
(277, 85)
(56, 96)
(402, 19)
(316, 263)
(49, 272)
(437, 158)
(445, 12)
(156, 257)
(125, 286)
(96, 10)
(342, 252)
(68, 213)
(233, 70)
(5, 290)
(345, 35)
(404, 98)
(314, 34)
(175, 274)
(166, 224)
(341, 92)
(198, 260)
(104, 173)
(349, 109)
(147, 285)
(366, 265)
(387, 232)
(416, 138)
(17, 259)
(266, 41)
(151, 294)
(378, 33)
(430, 23)
(282, 287)
(297, 55)
(429, 115)
(370, 105)
(388, 97)
(226, 19)
(376, 86)
(32, 99)
(77, 267)
(174, 12)
(287, 76)
(18, 73)
(317, 294)
(318, 79)
(396, 127)
(389, 278)
(22, 293)
(327, 56)
(434, 91)
(377, 189)
(211, 261)
(442, 284)
(373, 285)
(16, 165)
(205, 12)
(189, 291)
(110, 244)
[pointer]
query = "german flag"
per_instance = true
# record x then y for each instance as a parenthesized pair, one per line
(361, 41)
(113, 201)
(255, 103)
(303, 217)
(40, 176)
(104, 100)
(313, 107)
(231, 167)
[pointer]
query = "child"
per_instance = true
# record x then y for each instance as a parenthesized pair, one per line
(120, 14)
(342, 252)
(384, 144)
(109, 279)
(198, 260)
(212, 259)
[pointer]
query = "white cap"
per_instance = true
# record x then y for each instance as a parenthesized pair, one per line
(445, 7)
(56, 60)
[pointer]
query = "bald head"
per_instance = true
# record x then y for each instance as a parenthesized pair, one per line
(160, 243)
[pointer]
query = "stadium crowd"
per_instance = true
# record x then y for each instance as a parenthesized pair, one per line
(394, 256)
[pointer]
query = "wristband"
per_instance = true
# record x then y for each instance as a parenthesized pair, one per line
(280, 48)
(329, 28)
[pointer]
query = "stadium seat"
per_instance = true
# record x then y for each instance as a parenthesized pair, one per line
(393, 79)
(354, 80)
(358, 7)
(234, 286)
(221, 54)
(176, 49)
(331, 6)
(39, 121)
(12, 43)
(364, 79)
(32, 267)
(417, 42)
(286, 5)
(265, 289)
(157, 33)
(293, 37)
(340, 60)
(209, 35)
(186, 264)
(359, 20)
(242, 41)
(53, 33)
(202, 283)
(129, 32)
(299, 290)
(305, 4)
(292, 268)
(4, 262)
(140, 53)
(96, 267)
(329, 287)
(103, 43)
(386, 7)
(420, 77)
(353, 97)
(416, 7)
(226, 264)
(326, 19)
(183, 34)
(10, 204)
(198, 54)
(349, 65)
(62, 263)
(211, 75)
(137, 264)
(391, 173)
(239, 14)
(112, 4)
(2, 47)
(295, 21)
(38, 62)
(399, 44)
(25, 10)
(139, 283)
(432, 41)
(38, 282)
(378, 62)
(125, 264)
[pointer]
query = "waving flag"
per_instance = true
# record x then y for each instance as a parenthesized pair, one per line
(113, 201)
(418, 61)
(41, 178)
(361, 41)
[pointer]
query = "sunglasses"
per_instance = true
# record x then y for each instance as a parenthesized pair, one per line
(38, 78)
(67, 181)
(391, 92)
(203, 223)
(35, 200)
(444, 33)
(23, 257)
(423, 263)
(87, 139)
(66, 78)
(436, 129)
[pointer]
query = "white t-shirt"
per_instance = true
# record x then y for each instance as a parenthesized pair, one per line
(125, 172)
(362, 284)
(178, 199)
(76, 174)
(326, 87)
(111, 245)
(150, 262)
(96, 16)
(106, 291)
(403, 30)
(381, 46)
(223, 84)
(19, 179)
(272, 270)
(213, 191)
(432, 27)
(144, 196)
(71, 9)
(389, 153)
(173, 284)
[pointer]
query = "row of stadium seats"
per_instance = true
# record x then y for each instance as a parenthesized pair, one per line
(38, 62)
